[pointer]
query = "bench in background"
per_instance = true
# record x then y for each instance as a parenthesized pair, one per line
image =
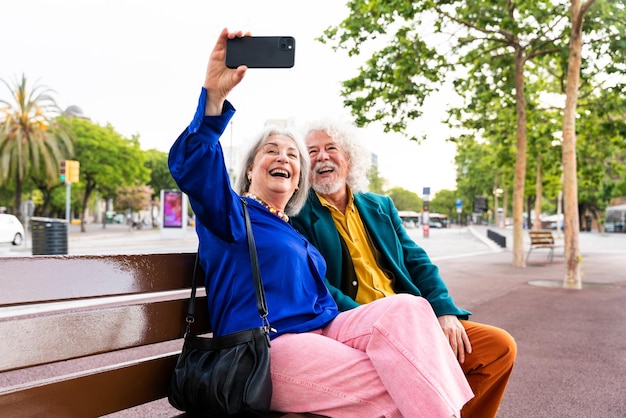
(86, 336)
(542, 239)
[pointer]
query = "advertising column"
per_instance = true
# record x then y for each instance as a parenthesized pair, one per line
(173, 214)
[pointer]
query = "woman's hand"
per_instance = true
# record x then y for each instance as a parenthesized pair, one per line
(219, 79)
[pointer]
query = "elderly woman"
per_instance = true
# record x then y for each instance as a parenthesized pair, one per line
(384, 359)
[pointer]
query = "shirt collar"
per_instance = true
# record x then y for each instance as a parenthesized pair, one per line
(327, 204)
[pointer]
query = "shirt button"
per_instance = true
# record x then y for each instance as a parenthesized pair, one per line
(354, 283)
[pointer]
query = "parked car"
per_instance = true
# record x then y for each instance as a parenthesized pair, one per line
(11, 229)
(434, 224)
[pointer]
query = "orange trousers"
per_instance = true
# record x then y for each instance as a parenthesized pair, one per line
(487, 368)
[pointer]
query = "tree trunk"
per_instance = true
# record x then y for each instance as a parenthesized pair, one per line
(505, 205)
(520, 162)
(17, 210)
(538, 194)
(570, 181)
(88, 190)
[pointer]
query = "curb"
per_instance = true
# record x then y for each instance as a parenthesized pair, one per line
(489, 243)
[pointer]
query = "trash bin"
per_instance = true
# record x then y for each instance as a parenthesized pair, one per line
(49, 236)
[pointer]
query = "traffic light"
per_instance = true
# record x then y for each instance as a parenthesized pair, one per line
(62, 170)
(73, 170)
(69, 171)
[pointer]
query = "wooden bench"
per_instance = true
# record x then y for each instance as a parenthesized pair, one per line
(86, 336)
(542, 239)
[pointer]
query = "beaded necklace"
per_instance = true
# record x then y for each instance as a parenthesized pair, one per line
(278, 213)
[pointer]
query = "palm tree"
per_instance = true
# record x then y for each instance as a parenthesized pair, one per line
(32, 135)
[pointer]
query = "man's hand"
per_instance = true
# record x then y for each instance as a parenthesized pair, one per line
(456, 335)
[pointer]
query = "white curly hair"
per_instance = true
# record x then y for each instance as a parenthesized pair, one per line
(345, 134)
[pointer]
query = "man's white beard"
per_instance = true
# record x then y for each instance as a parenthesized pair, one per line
(327, 188)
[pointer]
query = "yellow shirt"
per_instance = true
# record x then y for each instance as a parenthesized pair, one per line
(373, 283)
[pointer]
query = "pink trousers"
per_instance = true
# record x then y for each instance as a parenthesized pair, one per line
(387, 358)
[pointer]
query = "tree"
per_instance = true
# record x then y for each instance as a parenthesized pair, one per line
(47, 188)
(33, 137)
(445, 202)
(601, 151)
(491, 42)
(376, 182)
(489, 49)
(107, 161)
(570, 181)
(405, 199)
(160, 176)
(135, 198)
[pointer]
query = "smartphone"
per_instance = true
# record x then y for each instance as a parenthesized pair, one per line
(261, 52)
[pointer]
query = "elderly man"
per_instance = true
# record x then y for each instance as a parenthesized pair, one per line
(370, 256)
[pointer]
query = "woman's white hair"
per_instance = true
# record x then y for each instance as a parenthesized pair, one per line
(345, 134)
(298, 199)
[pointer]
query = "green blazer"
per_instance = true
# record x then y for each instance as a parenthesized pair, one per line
(395, 251)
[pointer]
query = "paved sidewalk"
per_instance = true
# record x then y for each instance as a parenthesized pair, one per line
(571, 343)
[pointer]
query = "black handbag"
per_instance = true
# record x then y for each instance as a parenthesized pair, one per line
(227, 376)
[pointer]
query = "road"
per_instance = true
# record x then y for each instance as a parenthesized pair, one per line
(113, 239)
(441, 244)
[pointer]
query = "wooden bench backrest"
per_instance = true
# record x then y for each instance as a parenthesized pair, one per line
(56, 308)
(539, 237)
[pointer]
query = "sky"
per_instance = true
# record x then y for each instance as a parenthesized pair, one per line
(139, 65)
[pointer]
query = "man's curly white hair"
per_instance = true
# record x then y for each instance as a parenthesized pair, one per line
(345, 134)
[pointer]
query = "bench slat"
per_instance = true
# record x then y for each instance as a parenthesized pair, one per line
(43, 339)
(97, 392)
(68, 277)
(92, 394)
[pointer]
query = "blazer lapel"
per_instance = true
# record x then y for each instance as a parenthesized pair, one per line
(323, 226)
(377, 222)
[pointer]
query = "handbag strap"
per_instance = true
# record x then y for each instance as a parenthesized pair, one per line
(259, 292)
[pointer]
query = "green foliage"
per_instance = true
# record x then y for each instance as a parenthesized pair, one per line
(444, 202)
(7, 196)
(411, 48)
(418, 45)
(107, 160)
(376, 183)
(476, 169)
(33, 138)
(160, 176)
(405, 199)
(601, 150)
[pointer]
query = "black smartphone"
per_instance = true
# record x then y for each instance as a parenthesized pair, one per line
(261, 52)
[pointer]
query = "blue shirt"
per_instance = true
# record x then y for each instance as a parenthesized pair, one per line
(292, 269)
